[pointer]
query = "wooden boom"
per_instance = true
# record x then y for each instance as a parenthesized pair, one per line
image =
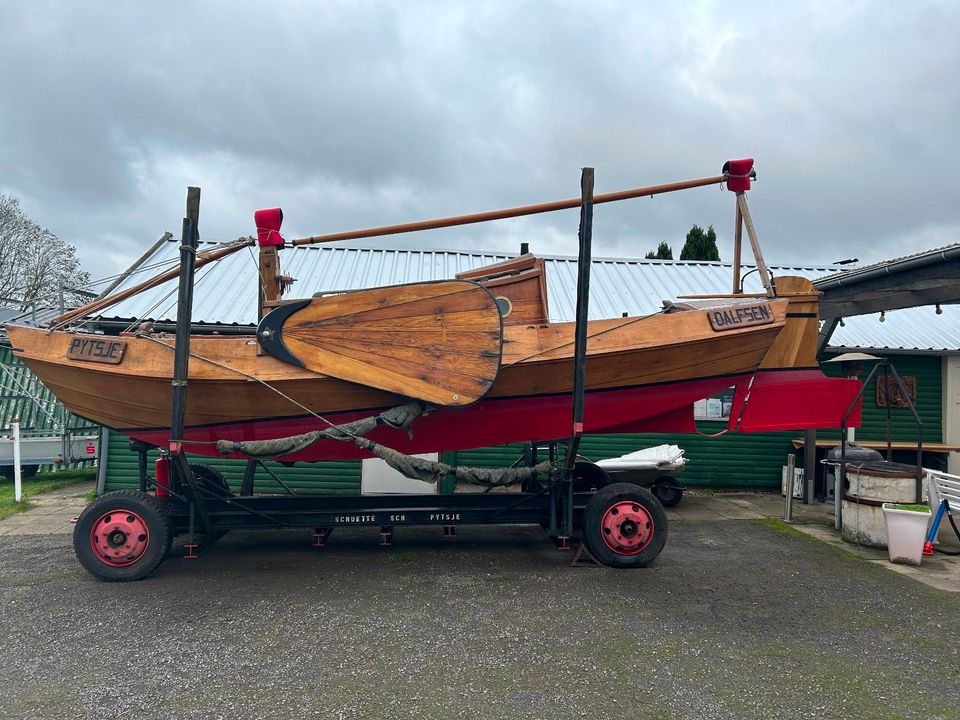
(509, 212)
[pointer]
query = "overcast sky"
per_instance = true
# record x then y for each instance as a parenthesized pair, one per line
(354, 114)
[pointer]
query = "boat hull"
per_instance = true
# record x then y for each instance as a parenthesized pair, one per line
(643, 375)
(818, 402)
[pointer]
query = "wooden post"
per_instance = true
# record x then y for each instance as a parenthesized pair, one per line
(269, 285)
(737, 246)
(809, 465)
(755, 244)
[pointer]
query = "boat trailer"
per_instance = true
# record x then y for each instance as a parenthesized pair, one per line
(124, 535)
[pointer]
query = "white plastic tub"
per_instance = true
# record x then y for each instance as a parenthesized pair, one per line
(906, 531)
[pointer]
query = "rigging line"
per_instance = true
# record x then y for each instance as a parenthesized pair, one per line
(256, 264)
(154, 265)
(172, 291)
(150, 309)
(629, 322)
(203, 258)
(142, 268)
(24, 388)
(259, 380)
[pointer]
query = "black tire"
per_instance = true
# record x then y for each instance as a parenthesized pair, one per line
(25, 471)
(667, 491)
(125, 521)
(210, 481)
(624, 526)
(588, 476)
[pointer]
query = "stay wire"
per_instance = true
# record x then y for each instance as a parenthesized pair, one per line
(263, 382)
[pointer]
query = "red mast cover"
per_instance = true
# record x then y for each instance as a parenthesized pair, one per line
(738, 174)
(268, 226)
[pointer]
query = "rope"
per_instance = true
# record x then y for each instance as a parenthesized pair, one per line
(400, 417)
(173, 291)
(247, 375)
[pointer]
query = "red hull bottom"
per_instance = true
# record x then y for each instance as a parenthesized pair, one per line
(775, 400)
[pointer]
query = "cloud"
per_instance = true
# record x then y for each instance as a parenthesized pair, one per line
(354, 114)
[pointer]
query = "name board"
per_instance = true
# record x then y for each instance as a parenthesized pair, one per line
(97, 350)
(738, 316)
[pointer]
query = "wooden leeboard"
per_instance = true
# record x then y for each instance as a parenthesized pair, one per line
(437, 341)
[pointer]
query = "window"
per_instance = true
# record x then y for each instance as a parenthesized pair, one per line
(715, 407)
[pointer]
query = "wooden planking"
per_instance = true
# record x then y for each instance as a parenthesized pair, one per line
(437, 384)
(439, 342)
(365, 304)
(522, 281)
(463, 361)
(136, 393)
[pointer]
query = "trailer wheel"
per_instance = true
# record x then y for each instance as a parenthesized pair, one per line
(211, 481)
(624, 526)
(25, 471)
(122, 535)
(667, 491)
(588, 476)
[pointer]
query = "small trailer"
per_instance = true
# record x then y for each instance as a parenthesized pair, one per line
(39, 448)
(652, 467)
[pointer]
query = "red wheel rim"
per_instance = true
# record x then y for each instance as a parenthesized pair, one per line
(119, 538)
(627, 528)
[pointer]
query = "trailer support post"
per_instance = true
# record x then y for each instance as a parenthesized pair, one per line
(580, 350)
(182, 477)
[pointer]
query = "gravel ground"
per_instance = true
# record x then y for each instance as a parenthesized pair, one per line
(734, 620)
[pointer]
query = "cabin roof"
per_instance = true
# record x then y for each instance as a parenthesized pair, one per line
(225, 291)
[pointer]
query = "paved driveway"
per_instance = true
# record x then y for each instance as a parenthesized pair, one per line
(734, 620)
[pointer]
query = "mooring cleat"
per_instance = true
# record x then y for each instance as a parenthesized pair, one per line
(191, 551)
(450, 532)
(563, 543)
(386, 536)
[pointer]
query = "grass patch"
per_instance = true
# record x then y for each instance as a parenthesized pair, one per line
(40, 483)
(782, 527)
(910, 508)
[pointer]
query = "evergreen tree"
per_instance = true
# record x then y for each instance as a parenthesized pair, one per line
(700, 245)
(664, 252)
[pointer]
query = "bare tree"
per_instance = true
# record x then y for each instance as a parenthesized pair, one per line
(35, 263)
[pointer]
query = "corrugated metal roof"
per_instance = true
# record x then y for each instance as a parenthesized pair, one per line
(908, 330)
(924, 256)
(226, 291)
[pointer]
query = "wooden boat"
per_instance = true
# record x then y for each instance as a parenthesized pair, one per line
(644, 374)
(479, 350)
